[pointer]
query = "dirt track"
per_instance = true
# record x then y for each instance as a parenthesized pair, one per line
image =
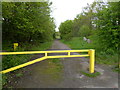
(69, 76)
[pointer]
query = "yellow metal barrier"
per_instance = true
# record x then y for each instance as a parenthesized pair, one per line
(92, 60)
(35, 52)
(91, 53)
(23, 65)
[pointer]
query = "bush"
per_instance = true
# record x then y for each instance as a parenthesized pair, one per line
(85, 31)
(66, 29)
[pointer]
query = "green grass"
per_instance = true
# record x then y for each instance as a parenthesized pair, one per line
(41, 46)
(19, 74)
(55, 60)
(107, 59)
(102, 57)
(116, 68)
(95, 74)
(0, 81)
(8, 46)
(54, 69)
(78, 43)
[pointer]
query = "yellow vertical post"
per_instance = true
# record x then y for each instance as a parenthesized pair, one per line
(15, 46)
(68, 53)
(92, 60)
(45, 54)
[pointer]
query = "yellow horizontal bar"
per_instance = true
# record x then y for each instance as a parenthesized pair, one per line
(37, 60)
(65, 56)
(22, 65)
(34, 52)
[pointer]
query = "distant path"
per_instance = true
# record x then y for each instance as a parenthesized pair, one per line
(39, 76)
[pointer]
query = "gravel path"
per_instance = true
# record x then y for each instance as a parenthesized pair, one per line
(68, 77)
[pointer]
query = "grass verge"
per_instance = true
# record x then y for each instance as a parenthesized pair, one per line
(95, 74)
(102, 57)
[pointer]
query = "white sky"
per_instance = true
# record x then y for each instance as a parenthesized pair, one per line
(63, 10)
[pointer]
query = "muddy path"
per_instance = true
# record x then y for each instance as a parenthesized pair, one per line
(45, 74)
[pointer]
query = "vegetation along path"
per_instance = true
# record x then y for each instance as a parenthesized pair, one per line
(65, 74)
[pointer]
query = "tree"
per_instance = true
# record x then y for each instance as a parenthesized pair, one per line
(108, 24)
(85, 31)
(65, 29)
(84, 21)
(26, 21)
